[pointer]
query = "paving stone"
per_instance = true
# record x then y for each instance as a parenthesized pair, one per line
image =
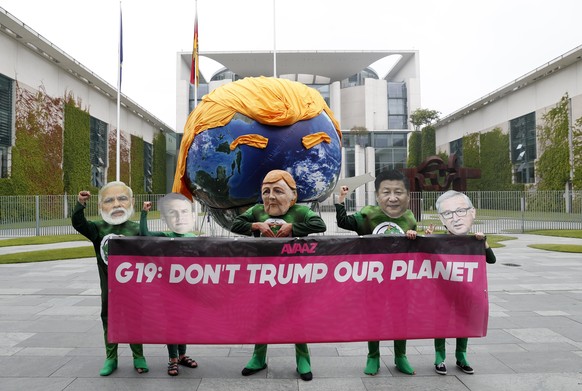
(51, 338)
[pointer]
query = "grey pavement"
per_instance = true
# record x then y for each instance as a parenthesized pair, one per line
(51, 337)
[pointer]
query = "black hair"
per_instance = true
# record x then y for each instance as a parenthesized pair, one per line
(391, 175)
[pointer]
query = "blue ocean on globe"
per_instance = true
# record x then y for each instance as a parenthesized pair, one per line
(228, 182)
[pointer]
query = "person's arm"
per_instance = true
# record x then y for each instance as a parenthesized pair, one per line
(489, 255)
(343, 220)
(78, 219)
(143, 222)
(310, 225)
(243, 223)
(429, 230)
(411, 223)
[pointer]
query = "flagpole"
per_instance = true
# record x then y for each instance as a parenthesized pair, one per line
(119, 64)
(274, 42)
(196, 49)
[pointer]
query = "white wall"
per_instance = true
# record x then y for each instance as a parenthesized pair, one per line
(376, 104)
(353, 101)
(33, 71)
(538, 97)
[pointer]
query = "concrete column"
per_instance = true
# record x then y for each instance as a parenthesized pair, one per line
(371, 168)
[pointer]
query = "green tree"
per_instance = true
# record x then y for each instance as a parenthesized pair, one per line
(137, 178)
(428, 142)
(421, 144)
(414, 150)
(494, 162)
(577, 130)
(421, 117)
(553, 166)
(471, 157)
(76, 159)
(37, 154)
(159, 164)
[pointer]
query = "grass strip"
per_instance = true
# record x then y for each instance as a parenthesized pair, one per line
(564, 248)
(24, 241)
(562, 233)
(48, 255)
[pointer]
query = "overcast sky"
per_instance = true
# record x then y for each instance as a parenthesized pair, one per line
(467, 48)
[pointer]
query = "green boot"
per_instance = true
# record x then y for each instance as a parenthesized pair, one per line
(109, 366)
(373, 360)
(258, 361)
(400, 359)
(302, 358)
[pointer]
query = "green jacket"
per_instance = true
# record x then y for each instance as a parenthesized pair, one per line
(371, 219)
(99, 232)
(144, 231)
(304, 220)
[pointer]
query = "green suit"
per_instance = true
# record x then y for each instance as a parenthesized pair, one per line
(174, 350)
(99, 232)
(372, 220)
(304, 221)
(461, 343)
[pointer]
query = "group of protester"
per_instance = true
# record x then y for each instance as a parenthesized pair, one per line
(277, 216)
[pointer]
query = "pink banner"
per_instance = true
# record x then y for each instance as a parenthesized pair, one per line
(320, 289)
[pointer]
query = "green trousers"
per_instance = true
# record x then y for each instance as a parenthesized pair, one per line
(460, 350)
(175, 351)
(400, 359)
(111, 348)
(399, 348)
(302, 359)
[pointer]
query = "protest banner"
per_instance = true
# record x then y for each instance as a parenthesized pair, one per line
(314, 289)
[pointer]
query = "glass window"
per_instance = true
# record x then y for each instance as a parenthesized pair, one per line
(523, 147)
(353, 139)
(148, 155)
(98, 151)
(399, 140)
(397, 106)
(397, 122)
(396, 90)
(350, 163)
(400, 158)
(524, 173)
(382, 140)
(358, 78)
(384, 159)
(202, 90)
(456, 147)
(323, 90)
(5, 123)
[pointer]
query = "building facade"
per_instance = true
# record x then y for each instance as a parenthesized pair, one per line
(517, 109)
(33, 70)
(371, 94)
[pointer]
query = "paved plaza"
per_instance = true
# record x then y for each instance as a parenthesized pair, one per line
(51, 337)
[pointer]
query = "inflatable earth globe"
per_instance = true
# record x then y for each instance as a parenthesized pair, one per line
(243, 130)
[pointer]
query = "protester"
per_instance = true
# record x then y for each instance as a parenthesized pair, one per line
(115, 202)
(391, 216)
(457, 213)
(278, 216)
(177, 212)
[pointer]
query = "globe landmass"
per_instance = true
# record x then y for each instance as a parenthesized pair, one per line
(229, 181)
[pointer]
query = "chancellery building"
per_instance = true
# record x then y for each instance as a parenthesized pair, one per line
(518, 109)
